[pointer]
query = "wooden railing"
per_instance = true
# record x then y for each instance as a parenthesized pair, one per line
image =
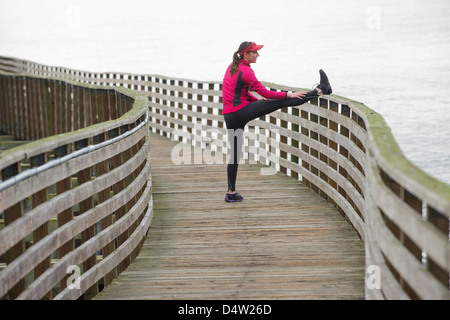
(76, 202)
(338, 147)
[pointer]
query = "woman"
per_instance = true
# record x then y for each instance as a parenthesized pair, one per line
(240, 106)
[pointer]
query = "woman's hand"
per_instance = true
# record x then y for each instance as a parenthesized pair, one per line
(298, 95)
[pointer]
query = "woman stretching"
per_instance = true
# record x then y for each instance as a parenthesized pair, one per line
(240, 106)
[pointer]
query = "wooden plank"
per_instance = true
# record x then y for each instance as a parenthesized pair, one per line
(21, 105)
(65, 216)
(89, 248)
(84, 176)
(41, 214)
(33, 184)
(40, 109)
(295, 246)
(9, 110)
(3, 104)
(12, 214)
(47, 124)
(101, 169)
(104, 266)
(342, 134)
(126, 155)
(15, 106)
(30, 108)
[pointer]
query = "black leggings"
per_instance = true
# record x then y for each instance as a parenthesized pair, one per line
(236, 122)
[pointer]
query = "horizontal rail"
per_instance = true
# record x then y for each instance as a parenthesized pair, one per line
(56, 162)
(338, 147)
(94, 180)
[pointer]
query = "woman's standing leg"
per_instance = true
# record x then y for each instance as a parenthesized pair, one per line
(235, 131)
(235, 137)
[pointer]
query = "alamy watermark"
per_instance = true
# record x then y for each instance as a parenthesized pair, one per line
(373, 277)
(74, 280)
(373, 22)
(217, 146)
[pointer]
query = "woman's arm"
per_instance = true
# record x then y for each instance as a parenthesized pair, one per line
(256, 85)
(298, 95)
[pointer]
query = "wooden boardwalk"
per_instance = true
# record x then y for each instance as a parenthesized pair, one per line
(282, 242)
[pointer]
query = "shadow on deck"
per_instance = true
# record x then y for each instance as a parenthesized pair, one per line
(282, 242)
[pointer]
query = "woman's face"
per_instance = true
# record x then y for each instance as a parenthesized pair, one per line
(251, 56)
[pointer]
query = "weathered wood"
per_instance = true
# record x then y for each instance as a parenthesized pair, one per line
(336, 146)
(126, 155)
(3, 104)
(92, 198)
(87, 249)
(281, 242)
(110, 262)
(39, 215)
(64, 216)
(40, 109)
(10, 215)
(30, 105)
(68, 231)
(101, 169)
(41, 232)
(84, 176)
(16, 108)
(33, 184)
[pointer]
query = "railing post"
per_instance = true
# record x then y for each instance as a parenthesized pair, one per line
(3, 104)
(82, 177)
(58, 108)
(305, 148)
(12, 214)
(323, 121)
(39, 120)
(21, 116)
(48, 109)
(116, 162)
(42, 231)
(15, 107)
(100, 169)
(105, 105)
(85, 110)
(126, 155)
(441, 222)
(112, 101)
(94, 110)
(284, 140)
(53, 108)
(333, 145)
(9, 101)
(29, 105)
(76, 106)
(68, 107)
(66, 215)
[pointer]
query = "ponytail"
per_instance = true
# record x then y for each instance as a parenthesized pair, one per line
(237, 59)
(235, 64)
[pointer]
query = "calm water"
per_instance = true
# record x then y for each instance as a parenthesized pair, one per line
(390, 55)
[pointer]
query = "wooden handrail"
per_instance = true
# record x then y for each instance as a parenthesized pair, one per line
(94, 180)
(338, 147)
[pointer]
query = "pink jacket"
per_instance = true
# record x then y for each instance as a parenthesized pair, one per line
(235, 89)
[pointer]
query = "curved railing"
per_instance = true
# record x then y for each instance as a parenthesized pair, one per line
(339, 148)
(76, 202)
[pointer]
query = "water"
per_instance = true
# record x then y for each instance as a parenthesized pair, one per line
(390, 55)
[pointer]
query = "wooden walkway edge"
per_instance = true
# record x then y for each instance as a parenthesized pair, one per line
(282, 242)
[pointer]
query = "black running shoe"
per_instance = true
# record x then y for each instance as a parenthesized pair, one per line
(235, 197)
(324, 83)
